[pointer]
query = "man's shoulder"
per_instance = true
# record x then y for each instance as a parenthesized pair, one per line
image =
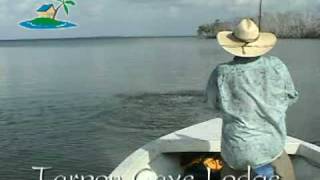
(273, 60)
(223, 66)
(219, 70)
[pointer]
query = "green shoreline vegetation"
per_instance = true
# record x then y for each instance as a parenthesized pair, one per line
(284, 25)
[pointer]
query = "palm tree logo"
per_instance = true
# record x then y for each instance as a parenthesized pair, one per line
(47, 16)
(65, 4)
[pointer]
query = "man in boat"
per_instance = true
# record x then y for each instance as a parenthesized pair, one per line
(252, 92)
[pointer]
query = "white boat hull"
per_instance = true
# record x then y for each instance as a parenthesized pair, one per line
(161, 156)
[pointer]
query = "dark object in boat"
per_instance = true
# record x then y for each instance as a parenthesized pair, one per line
(196, 164)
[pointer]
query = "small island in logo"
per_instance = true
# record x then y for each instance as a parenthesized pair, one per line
(47, 14)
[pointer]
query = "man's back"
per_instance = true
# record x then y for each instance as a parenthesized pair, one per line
(253, 96)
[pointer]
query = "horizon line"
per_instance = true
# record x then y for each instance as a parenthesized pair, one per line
(97, 37)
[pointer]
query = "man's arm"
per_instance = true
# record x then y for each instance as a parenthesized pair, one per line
(212, 91)
(291, 93)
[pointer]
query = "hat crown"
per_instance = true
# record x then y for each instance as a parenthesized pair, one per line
(246, 31)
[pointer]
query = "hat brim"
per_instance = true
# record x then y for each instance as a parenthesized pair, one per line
(231, 44)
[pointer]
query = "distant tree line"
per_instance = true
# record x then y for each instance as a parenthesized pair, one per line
(284, 25)
(211, 30)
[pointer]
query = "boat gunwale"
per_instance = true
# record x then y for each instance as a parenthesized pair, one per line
(177, 142)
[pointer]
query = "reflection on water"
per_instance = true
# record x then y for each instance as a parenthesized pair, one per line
(82, 106)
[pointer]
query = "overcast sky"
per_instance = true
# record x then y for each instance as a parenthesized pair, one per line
(136, 17)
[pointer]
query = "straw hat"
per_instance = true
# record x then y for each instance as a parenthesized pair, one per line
(246, 40)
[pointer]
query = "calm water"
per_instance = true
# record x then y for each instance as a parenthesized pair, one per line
(81, 106)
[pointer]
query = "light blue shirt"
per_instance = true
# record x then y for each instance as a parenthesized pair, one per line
(253, 95)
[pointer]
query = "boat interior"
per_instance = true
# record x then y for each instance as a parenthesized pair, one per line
(185, 152)
(181, 165)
